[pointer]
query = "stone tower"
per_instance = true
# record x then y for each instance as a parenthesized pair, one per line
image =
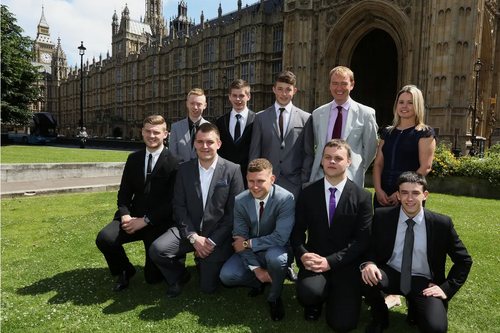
(44, 47)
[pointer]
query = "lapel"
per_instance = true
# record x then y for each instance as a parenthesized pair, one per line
(218, 173)
(391, 222)
(271, 113)
(352, 116)
(195, 172)
(252, 213)
(269, 205)
(185, 130)
(291, 122)
(429, 228)
(225, 120)
(324, 118)
(159, 163)
(246, 132)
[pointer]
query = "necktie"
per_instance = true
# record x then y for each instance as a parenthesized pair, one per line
(337, 128)
(407, 258)
(281, 123)
(148, 170)
(333, 205)
(261, 209)
(193, 134)
(237, 128)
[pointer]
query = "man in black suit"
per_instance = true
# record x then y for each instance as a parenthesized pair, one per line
(408, 257)
(235, 127)
(144, 204)
(334, 215)
(205, 189)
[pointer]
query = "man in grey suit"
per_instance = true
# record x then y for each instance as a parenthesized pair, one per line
(181, 140)
(264, 216)
(278, 135)
(203, 205)
(343, 119)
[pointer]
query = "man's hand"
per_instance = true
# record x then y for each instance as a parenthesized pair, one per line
(315, 263)
(263, 275)
(238, 244)
(371, 274)
(203, 246)
(132, 224)
(434, 291)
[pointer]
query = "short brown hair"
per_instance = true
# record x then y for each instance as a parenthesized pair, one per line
(155, 120)
(286, 77)
(197, 92)
(239, 84)
(207, 128)
(412, 177)
(342, 70)
(260, 164)
(339, 144)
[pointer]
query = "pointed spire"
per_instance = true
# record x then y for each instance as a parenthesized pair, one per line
(43, 21)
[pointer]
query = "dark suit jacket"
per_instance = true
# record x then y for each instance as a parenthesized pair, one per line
(157, 204)
(347, 239)
(442, 239)
(218, 214)
(236, 152)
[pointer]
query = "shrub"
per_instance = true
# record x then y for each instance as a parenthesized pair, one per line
(444, 162)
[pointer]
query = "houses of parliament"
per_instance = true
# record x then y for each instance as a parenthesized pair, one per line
(153, 63)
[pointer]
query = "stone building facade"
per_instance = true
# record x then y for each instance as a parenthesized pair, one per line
(387, 43)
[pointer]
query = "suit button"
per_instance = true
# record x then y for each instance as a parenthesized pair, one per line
(280, 162)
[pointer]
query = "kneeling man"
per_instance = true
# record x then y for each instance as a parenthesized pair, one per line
(408, 257)
(263, 220)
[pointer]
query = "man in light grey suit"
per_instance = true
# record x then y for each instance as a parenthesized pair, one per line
(182, 133)
(278, 135)
(264, 216)
(343, 119)
(203, 205)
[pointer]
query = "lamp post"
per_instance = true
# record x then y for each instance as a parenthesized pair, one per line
(477, 69)
(81, 51)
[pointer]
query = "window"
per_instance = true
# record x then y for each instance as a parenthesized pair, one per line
(278, 39)
(133, 72)
(211, 79)
(194, 81)
(210, 106)
(208, 51)
(247, 72)
(97, 100)
(230, 48)
(118, 75)
(179, 85)
(277, 68)
(154, 66)
(154, 89)
(97, 81)
(180, 59)
(133, 93)
(167, 64)
(248, 41)
(206, 80)
(132, 113)
(196, 57)
(118, 95)
(229, 72)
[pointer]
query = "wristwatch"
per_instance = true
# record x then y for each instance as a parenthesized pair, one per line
(147, 220)
(192, 239)
(245, 244)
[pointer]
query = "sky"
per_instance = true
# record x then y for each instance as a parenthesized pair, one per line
(90, 20)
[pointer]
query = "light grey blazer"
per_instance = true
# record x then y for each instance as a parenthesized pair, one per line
(180, 140)
(286, 157)
(360, 133)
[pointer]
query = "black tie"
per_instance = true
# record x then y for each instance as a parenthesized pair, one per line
(261, 211)
(281, 123)
(237, 128)
(193, 134)
(407, 258)
(148, 175)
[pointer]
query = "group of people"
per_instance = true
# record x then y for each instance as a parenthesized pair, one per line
(255, 192)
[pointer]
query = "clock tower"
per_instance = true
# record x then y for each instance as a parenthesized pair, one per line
(44, 47)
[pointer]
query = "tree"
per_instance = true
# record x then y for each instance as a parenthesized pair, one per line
(20, 78)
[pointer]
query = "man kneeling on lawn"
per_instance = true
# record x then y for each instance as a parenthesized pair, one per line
(408, 256)
(264, 216)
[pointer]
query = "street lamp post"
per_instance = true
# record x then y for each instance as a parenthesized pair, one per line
(477, 69)
(81, 51)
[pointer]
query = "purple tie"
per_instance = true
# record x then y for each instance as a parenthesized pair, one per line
(332, 205)
(337, 128)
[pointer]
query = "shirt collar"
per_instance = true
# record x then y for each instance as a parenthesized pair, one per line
(257, 201)
(340, 186)
(344, 106)
(212, 166)
(244, 113)
(419, 218)
(288, 107)
(155, 153)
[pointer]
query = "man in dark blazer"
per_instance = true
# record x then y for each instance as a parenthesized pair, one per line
(144, 204)
(278, 135)
(264, 216)
(334, 215)
(205, 189)
(181, 139)
(408, 257)
(235, 127)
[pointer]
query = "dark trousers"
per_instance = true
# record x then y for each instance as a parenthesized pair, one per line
(340, 289)
(110, 241)
(169, 251)
(430, 313)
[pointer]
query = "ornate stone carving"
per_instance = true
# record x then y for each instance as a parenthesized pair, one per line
(331, 18)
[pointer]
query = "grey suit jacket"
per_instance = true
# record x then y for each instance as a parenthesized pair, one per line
(360, 133)
(273, 229)
(180, 140)
(286, 157)
(217, 216)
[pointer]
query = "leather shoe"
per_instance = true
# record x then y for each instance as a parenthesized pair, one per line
(291, 274)
(254, 292)
(277, 309)
(376, 328)
(176, 288)
(311, 314)
(123, 280)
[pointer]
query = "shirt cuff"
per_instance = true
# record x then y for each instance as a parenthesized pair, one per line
(250, 267)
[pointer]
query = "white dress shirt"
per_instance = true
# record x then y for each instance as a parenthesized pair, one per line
(155, 154)
(286, 115)
(243, 121)
(206, 176)
(257, 209)
(340, 188)
(334, 112)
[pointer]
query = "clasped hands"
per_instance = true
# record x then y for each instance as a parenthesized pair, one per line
(314, 262)
(132, 224)
(203, 247)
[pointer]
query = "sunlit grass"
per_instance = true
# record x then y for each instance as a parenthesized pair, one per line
(46, 154)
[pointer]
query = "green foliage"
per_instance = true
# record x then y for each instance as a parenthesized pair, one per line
(444, 163)
(19, 76)
(37, 154)
(495, 149)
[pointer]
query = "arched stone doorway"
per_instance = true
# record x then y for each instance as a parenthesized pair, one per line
(375, 66)
(117, 132)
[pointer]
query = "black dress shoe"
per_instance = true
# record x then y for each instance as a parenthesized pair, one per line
(277, 309)
(291, 274)
(123, 280)
(176, 288)
(311, 313)
(376, 328)
(254, 292)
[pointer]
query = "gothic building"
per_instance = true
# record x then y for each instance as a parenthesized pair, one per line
(387, 43)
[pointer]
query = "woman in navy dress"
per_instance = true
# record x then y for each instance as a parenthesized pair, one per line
(407, 145)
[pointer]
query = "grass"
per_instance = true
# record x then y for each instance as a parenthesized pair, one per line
(47, 154)
(54, 279)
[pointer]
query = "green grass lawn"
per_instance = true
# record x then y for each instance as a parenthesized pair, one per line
(47, 154)
(54, 279)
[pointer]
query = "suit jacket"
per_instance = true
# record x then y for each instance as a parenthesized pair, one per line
(236, 152)
(219, 209)
(360, 133)
(273, 229)
(286, 157)
(180, 139)
(134, 200)
(442, 239)
(346, 240)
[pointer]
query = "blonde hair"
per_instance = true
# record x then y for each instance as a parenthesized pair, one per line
(197, 92)
(155, 120)
(418, 106)
(342, 70)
